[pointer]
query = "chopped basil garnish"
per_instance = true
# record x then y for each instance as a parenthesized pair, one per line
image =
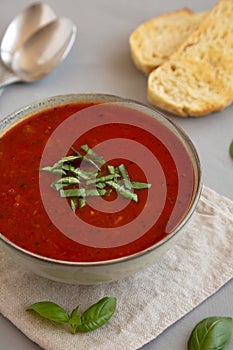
(77, 184)
(140, 185)
(93, 155)
(125, 176)
(123, 191)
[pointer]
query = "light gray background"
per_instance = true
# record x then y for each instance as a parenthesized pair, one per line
(100, 62)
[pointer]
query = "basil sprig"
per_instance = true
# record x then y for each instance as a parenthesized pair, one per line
(94, 317)
(77, 184)
(231, 149)
(212, 333)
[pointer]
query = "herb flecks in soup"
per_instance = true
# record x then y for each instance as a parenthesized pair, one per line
(109, 227)
(88, 175)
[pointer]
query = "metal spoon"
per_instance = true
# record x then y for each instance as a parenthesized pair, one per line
(22, 27)
(41, 53)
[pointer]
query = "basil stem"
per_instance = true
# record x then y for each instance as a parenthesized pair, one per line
(75, 320)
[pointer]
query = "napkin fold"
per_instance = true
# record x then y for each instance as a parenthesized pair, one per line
(147, 303)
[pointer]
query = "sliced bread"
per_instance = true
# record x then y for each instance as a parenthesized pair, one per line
(198, 78)
(155, 40)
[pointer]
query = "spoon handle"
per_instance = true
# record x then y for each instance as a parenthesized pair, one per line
(6, 76)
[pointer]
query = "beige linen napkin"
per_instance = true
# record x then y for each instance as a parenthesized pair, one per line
(147, 303)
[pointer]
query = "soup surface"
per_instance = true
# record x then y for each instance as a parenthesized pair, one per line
(36, 218)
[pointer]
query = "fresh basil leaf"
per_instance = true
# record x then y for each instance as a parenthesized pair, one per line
(50, 310)
(75, 320)
(98, 314)
(212, 333)
(231, 149)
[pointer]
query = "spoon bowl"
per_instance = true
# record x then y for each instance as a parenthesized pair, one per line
(44, 50)
(34, 43)
(25, 24)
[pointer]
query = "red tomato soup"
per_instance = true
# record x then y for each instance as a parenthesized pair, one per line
(35, 217)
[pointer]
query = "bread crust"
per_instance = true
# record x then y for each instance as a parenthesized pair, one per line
(198, 78)
(156, 39)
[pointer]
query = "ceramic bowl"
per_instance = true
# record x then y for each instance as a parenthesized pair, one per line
(110, 270)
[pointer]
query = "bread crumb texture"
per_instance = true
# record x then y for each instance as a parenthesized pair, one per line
(197, 79)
